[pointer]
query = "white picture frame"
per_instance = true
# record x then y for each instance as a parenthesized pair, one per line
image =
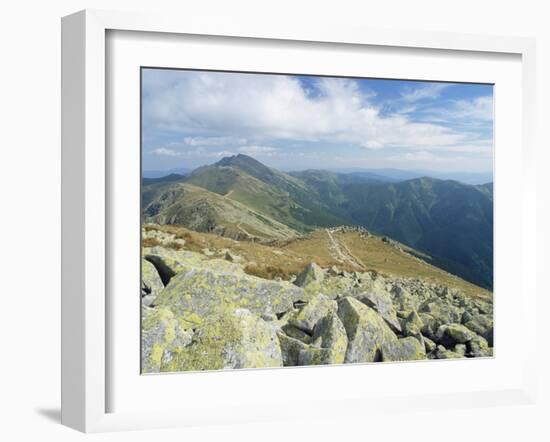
(86, 201)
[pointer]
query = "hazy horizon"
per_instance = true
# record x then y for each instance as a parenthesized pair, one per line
(194, 118)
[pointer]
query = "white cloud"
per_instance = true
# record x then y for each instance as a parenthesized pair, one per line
(474, 112)
(263, 107)
(258, 150)
(166, 152)
(190, 153)
(480, 108)
(213, 141)
(423, 92)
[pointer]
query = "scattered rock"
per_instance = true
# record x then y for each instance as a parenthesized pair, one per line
(312, 312)
(449, 335)
(331, 335)
(482, 325)
(296, 333)
(412, 324)
(381, 302)
(406, 349)
(478, 347)
(312, 273)
(442, 353)
(290, 349)
(429, 345)
(365, 329)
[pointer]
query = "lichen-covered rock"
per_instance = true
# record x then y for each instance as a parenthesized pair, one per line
(312, 273)
(429, 325)
(449, 335)
(331, 335)
(442, 311)
(176, 260)
(313, 311)
(412, 324)
(318, 356)
(429, 345)
(481, 325)
(332, 288)
(151, 284)
(162, 333)
(296, 333)
(212, 287)
(442, 353)
(366, 331)
(404, 300)
(382, 303)
(290, 349)
(235, 339)
(478, 347)
(406, 349)
(460, 349)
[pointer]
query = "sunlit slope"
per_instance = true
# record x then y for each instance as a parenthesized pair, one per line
(205, 211)
(346, 249)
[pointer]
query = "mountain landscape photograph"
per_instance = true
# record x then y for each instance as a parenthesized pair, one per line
(293, 220)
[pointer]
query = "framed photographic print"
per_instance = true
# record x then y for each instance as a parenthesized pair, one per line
(252, 211)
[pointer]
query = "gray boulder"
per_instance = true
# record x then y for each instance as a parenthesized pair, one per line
(451, 334)
(478, 347)
(291, 349)
(442, 353)
(366, 331)
(406, 349)
(481, 325)
(162, 334)
(151, 284)
(382, 303)
(412, 324)
(331, 335)
(306, 318)
(232, 339)
(312, 273)
(211, 287)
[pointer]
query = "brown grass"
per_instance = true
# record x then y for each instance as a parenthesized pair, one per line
(290, 258)
(150, 242)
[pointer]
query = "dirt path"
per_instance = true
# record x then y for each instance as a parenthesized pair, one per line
(340, 252)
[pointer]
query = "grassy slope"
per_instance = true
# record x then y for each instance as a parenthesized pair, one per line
(206, 211)
(273, 193)
(289, 258)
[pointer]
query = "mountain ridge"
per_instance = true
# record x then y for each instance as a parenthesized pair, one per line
(446, 219)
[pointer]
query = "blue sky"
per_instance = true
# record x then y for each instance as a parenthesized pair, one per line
(192, 118)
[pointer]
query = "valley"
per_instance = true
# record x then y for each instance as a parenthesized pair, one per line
(447, 222)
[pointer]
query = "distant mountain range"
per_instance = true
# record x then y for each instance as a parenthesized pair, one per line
(240, 197)
(402, 175)
(164, 173)
(386, 174)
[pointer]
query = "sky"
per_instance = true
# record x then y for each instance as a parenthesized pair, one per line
(292, 122)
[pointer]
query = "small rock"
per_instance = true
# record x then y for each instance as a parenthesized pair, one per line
(312, 273)
(406, 349)
(381, 302)
(451, 334)
(478, 347)
(366, 331)
(312, 312)
(296, 333)
(429, 345)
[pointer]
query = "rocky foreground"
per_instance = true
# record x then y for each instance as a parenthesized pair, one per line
(203, 312)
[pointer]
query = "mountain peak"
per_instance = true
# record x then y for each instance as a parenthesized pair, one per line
(238, 160)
